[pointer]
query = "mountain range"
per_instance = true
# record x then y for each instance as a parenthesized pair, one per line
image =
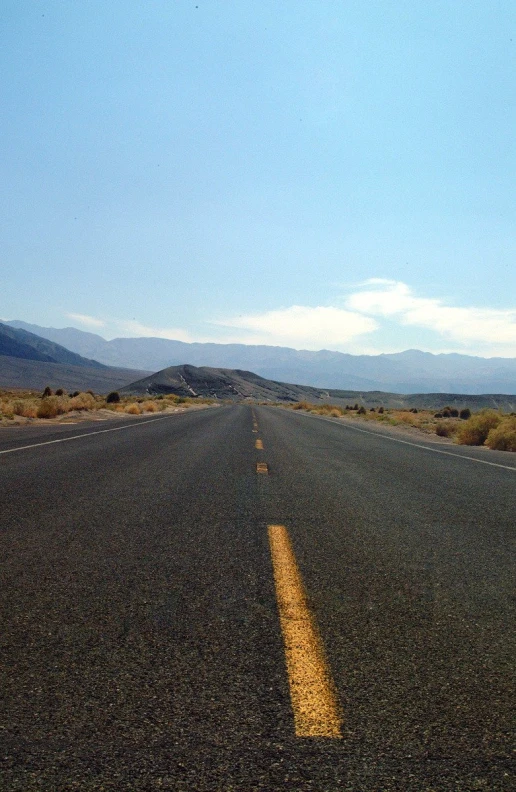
(406, 372)
(30, 361)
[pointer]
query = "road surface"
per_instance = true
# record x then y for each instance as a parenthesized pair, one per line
(142, 642)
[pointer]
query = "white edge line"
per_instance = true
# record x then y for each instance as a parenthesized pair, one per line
(407, 442)
(86, 434)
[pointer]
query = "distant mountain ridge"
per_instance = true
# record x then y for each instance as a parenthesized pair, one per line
(406, 372)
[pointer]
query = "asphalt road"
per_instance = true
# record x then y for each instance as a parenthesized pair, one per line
(141, 644)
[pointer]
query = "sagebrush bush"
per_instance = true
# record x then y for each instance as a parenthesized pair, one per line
(465, 413)
(149, 406)
(475, 430)
(83, 401)
(445, 429)
(133, 409)
(50, 407)
(503, 436)
(25, 408)
(113, 397)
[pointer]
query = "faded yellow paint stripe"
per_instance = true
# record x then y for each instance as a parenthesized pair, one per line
(259, 445)
(312, 693)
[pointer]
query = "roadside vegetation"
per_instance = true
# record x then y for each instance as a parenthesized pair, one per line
(489, 428)
(16, 405)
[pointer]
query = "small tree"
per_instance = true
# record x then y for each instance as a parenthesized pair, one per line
(46, 393)
(113, 397)
(465, 413)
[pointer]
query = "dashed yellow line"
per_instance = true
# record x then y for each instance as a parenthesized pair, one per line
(259, 444)
(312, 693)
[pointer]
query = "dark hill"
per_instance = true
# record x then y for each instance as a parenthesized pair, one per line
(216, 383)
(239, 385)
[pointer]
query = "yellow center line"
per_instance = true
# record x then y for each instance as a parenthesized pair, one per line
(312, 692)
(259, 445)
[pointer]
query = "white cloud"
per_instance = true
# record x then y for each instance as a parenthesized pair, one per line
(137, 329)
(486, 329)
(302, 327)
(89, 321)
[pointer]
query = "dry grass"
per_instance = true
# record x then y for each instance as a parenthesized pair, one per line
(486, 427)
(24, 406)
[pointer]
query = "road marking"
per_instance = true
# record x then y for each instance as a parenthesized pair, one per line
(262, 467)
(259, 445)
(312, 693)
(86, 434)
(416, 445)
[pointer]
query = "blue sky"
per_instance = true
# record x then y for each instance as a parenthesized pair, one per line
(316, 174)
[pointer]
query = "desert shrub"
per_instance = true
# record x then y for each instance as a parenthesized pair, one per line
(46, 393)
(302, 405)
(75, 393)
(355, 407)
(372, 409)
(25, 408)
(90, 392)
(445, 429)
(380, 410)
(113, 397)
(50, 407)
(446, 413)
(438, 415)
(149, 406)
(335, 412)
(475, 430)
(465, 414)
(83, 401)
(414, 410)
(503, 436)
(362, 411)
(59, 392)
(133, 409)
